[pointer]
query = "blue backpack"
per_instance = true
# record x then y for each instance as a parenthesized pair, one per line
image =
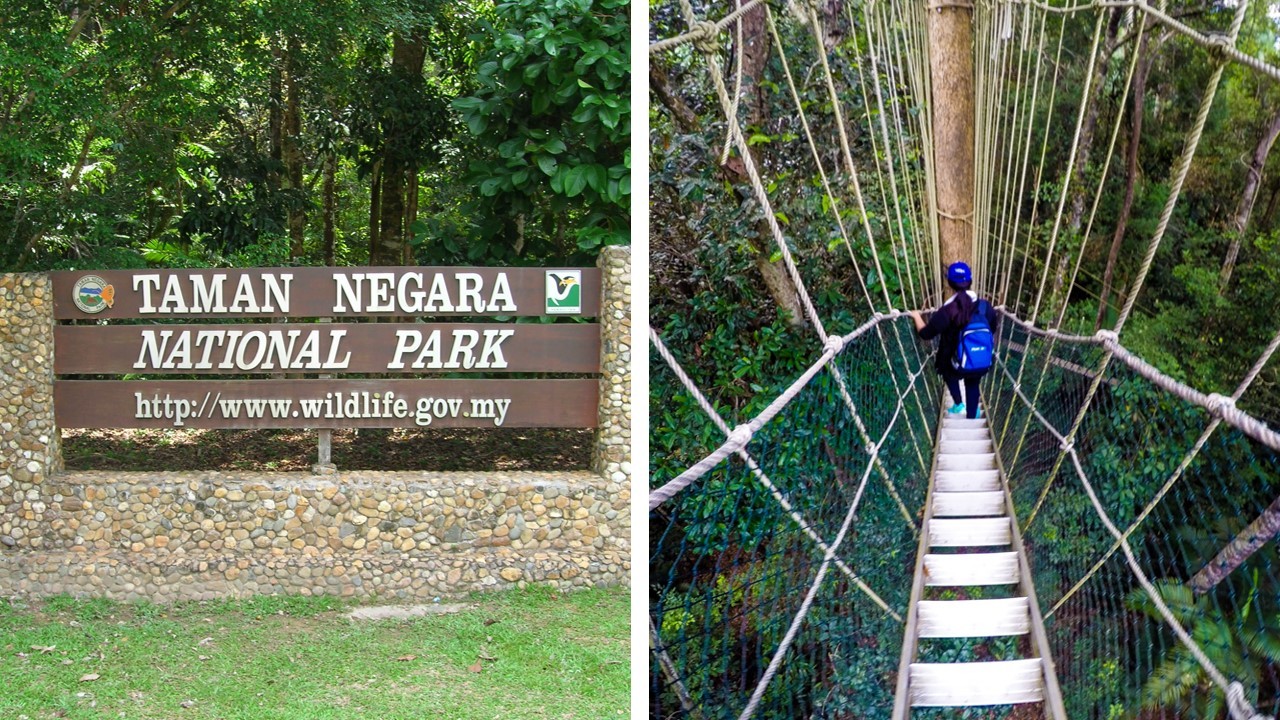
(974, 353)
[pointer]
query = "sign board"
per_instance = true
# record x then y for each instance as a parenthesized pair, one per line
(328, 348)
(326, 292)
(166, 346)
(242, 404)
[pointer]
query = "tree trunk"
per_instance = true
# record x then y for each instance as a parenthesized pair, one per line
(408, 55)
(1146, 55)
(410, 216)
(776, 281)
(330, 205)
(951, 73)
(1269, 217)
(291, 150)
(1245, 544)
(375, 205)
(1252, 182)
(1090, 124)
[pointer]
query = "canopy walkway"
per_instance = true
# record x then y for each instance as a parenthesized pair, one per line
(969, 541)
(1099, 546)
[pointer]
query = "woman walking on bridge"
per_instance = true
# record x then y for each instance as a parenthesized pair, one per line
(963, 325)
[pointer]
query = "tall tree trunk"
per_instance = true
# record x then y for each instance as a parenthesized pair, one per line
(375, 205)
(410, 216)
(1089, 126)
(291, 149)
(776, 281)
(330, 205)
(1269, 216)
(408, 55)
(1146, 55)
(950, 31)
(1252, 182)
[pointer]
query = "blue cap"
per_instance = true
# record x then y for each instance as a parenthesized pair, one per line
(959, 273)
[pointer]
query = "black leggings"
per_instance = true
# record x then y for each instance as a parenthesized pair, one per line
(971, 398)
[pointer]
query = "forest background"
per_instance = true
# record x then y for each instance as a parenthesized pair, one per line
(262, 133)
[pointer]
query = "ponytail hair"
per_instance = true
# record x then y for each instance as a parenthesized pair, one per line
(964, 304)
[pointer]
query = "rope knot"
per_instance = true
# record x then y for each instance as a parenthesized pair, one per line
(1107, 336)
(1239, 707)
(833, 345)
(705, 36)
(739, 437)
(1218, 47)
(1067, 445)
(1218, 404)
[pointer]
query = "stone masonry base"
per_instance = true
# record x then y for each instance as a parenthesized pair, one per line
(415, 535)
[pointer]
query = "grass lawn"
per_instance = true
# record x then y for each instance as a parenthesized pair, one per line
(512, 655)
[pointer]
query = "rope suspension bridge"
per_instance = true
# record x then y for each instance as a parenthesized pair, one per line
(1098, 544)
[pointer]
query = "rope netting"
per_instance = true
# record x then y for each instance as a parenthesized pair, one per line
(791, 441)
(1183, 498)
(738, 553)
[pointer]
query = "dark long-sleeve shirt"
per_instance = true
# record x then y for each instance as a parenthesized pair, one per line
(945, 325)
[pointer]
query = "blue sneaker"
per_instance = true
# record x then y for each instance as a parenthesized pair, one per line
(956, 409)
(979, 415)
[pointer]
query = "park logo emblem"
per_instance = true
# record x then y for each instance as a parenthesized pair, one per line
(92, 294)
(564, 292)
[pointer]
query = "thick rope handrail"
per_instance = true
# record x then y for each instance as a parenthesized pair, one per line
(1209, 42)
(1199, 444)
(1237, 418)
(1240, 708)
(805, 526)
(702, 467)
(705, 30)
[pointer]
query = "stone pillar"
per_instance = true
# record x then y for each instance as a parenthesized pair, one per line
(29, 445)
(611, 456)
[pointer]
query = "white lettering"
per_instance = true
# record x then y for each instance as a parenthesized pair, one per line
(501, 301)
(463, 356)
(208, 298)
(173, 302)
(438, 299)
(152, 349)
(245, 301)
(469, 293)
(493, 340)
(348, 288)
(146, 283)
(380, 292)
(272, 290)
(410, 302)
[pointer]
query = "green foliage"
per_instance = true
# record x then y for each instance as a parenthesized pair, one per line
(1238, 648)
(550, 119)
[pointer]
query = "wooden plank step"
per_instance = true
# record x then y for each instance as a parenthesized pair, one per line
(957, 423)
(981, 433)
(972, 461)
(965, 447)
(968, 504)
(967, 481)
(973, 618)
(970, 532)
(999, 568)
(982, 683)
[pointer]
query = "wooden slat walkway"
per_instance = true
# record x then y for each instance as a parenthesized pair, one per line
(970, 540)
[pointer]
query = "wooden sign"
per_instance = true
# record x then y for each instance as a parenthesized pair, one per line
(244, 404)
(327, 348)
(326, 292)
(165, 346)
